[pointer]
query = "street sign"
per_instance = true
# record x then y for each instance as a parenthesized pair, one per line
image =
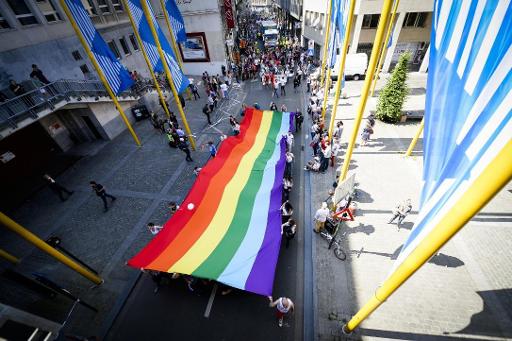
(311, 47)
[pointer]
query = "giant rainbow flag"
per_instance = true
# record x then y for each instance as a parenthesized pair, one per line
(233, 232)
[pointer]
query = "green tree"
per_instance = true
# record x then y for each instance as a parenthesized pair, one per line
(392, 96)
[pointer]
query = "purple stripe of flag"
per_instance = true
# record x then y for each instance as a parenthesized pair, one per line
(261, 278)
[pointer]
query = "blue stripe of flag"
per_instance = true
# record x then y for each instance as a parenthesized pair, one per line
(177, 23)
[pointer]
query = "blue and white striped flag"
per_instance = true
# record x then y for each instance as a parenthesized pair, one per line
(334, 38)
(180, 81)
(339, 18)
(177, 23)
(116, 74)
(468, 116)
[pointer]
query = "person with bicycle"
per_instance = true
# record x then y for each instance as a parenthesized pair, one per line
(320, 217)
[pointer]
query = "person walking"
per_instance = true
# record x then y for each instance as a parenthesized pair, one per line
(275, 86)
(282, 85)
(212, 148)
(173, 207)
(320, 217)
(224, 89)
(286, 211)
(299, 118)
(184, 148)
(102, 193)
(57, 188)
(154, 229)
(206, 111)
(401, 210)
(283, 305)
(288, 166)
(289, 141)
(288, 229)
(339, 130)
(195, 91)
(36, 72)
(326, 153)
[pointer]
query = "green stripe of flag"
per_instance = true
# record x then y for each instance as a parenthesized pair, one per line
(215, 264)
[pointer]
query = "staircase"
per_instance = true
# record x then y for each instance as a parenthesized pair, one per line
(23, 110)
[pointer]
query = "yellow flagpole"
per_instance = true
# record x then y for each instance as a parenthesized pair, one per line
(386, 8)
(99, 71)
(341, 69)
(167, 72)
(385, 46)
(326, 92)
(495, 176)
(41, 244)
(7, 256)
(148, 63)
(415, 139)
(326, 40)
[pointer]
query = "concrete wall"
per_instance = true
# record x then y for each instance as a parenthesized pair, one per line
(110, 119)
(57, 130)
(202, 16)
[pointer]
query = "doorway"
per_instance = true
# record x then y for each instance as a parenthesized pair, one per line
(92, 127)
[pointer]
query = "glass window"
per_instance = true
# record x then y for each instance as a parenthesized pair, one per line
(85, 69)
(117, 5)
(89, 7)
(103, 6)
(133, 40)
(47, 7)
(415, 19)
(371, 20)
(113, 48)
(124, 46)
(22, 12)
(3, 23)
(76, 55)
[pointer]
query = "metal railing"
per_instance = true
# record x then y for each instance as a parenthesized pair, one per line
(51, 95)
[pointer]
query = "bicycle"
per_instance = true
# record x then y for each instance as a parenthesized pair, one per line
(331, 238)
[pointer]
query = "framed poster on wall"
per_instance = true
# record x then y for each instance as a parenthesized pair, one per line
(194, 49)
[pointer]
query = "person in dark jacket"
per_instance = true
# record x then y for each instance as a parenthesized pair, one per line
(102, 193)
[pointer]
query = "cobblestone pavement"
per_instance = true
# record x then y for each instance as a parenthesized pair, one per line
(144, 179)
(464, 292)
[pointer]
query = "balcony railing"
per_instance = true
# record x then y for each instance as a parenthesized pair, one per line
(52, 95)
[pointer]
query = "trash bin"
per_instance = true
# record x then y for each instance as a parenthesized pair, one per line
(140, 112)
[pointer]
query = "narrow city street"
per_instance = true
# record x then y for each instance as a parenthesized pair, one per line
(176, 313)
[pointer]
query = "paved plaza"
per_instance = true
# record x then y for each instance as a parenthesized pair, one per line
(461, 293)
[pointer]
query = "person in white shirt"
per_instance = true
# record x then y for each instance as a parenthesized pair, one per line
(283, 305)
(336, 148)
(289, 140)
(224, 89)
(320, 217)
(154, 229)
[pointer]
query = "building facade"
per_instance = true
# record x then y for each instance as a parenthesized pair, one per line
(75, 108)
(411, 30)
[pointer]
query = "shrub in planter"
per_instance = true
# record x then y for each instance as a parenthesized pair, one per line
(392, 96)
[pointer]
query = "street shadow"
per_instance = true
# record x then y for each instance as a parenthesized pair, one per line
(363, 196)
(392, 144)
(361, 228)
(484, 322)
(439, 259)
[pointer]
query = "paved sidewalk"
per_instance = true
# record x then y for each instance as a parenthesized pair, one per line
(144, 180)
(463, 292)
